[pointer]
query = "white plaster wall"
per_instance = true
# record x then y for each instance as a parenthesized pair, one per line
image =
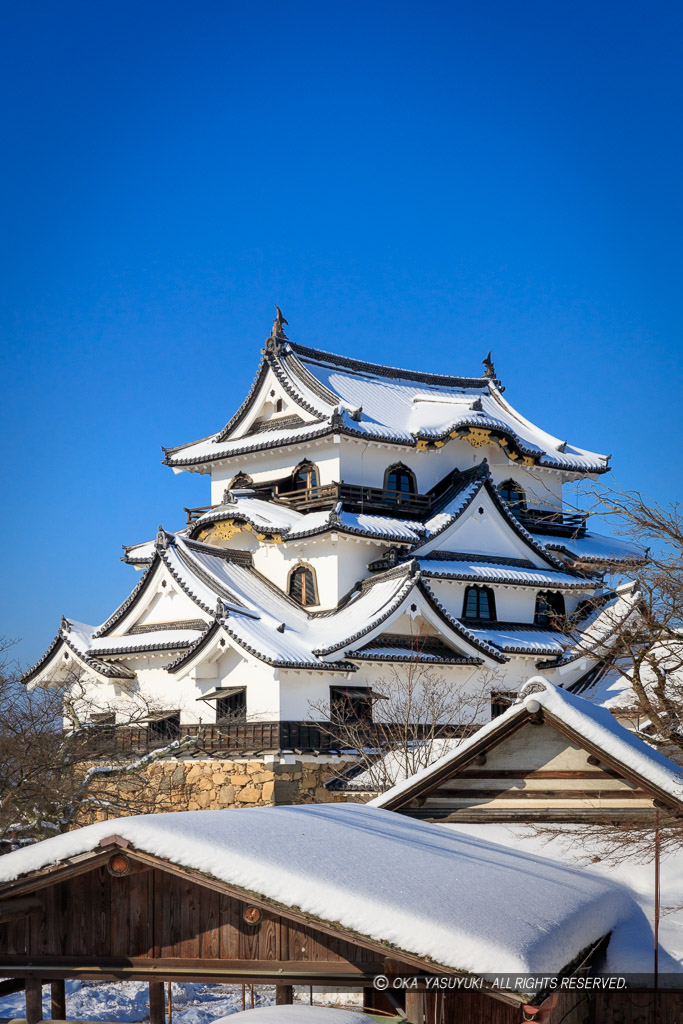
(271, 465)
(169, 604)
(513, 604)
(303, 695)
(339, 563)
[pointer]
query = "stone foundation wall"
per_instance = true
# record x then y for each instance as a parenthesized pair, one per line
(214, 783)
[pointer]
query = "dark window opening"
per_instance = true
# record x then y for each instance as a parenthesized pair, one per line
(232, 708)
(350, 704)
(401, 480)
(550, 609)
(501, 701)
(479, 604)
(305, 477)
(279, 405)
(166, 728)
(513, 494)
(302, 585)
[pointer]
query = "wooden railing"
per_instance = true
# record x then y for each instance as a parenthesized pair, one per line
(353, 496)
(564, 524)
(261, 737)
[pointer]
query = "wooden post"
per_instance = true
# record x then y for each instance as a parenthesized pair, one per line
(34, 1000)
(416, 1006)
(156, 1003)
(58, 993)
(284, 995)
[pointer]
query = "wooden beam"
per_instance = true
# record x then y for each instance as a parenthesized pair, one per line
(58, 994)
(157, 1012)
(15, 910)
(34, 1000)
(12, 985)
(284, 995)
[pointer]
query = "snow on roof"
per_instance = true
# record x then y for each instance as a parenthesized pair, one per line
(467, 904)
(482, 570)
(518, 638)
(395, 766)
(631, 943)
(277, 518)
(297, 1013)
(594, 548)
(405, 405)
(594, 724)
(373, 401)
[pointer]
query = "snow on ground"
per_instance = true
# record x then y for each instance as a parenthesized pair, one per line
(631, 946)
(300, 1015)
(128, 1001)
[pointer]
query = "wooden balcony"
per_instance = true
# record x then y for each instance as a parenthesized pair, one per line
(356, 498)
(244, 738)
(562, 524)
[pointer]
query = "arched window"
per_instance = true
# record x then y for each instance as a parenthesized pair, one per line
(479, 604)
(279, 405)
(305, 476)
(241, 480)
(302, 584)
(400, 480)
(513, 494)
(549, 608)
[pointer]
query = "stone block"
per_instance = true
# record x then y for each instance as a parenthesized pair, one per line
(240, 780)
(249, 795)
(226, 796)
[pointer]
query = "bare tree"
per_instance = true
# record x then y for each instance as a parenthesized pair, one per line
(62, 762)
(639, 635)
(413, 715)
(635, 634)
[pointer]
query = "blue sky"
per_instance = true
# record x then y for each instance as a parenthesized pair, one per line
(413, 183)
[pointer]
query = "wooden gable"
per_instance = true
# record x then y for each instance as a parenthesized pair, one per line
(162, 921)
(533, 769)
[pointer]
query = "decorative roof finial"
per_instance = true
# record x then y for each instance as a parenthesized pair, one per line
(490, 370)
(163, 539)
(278, 323)
(65, 625)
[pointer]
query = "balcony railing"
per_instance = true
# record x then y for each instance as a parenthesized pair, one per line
(266, 737)
(360, 499)
(563, 524)
(379, 500)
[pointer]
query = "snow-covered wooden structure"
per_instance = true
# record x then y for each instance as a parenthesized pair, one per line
(551, 757)
(361, 516)
(346, 894)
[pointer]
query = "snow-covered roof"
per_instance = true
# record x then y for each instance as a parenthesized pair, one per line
(385, 404)
(518, 638)
(418, 888)
(274, 518)
(594, 725)
(594, 549)
(479, 569)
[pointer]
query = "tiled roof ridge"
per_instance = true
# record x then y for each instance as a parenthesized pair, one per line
(381, 370)
(388, 610)
(127, 603)
(211, 628)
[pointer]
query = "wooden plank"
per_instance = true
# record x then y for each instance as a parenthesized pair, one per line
(19, 908)
(209, 939)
